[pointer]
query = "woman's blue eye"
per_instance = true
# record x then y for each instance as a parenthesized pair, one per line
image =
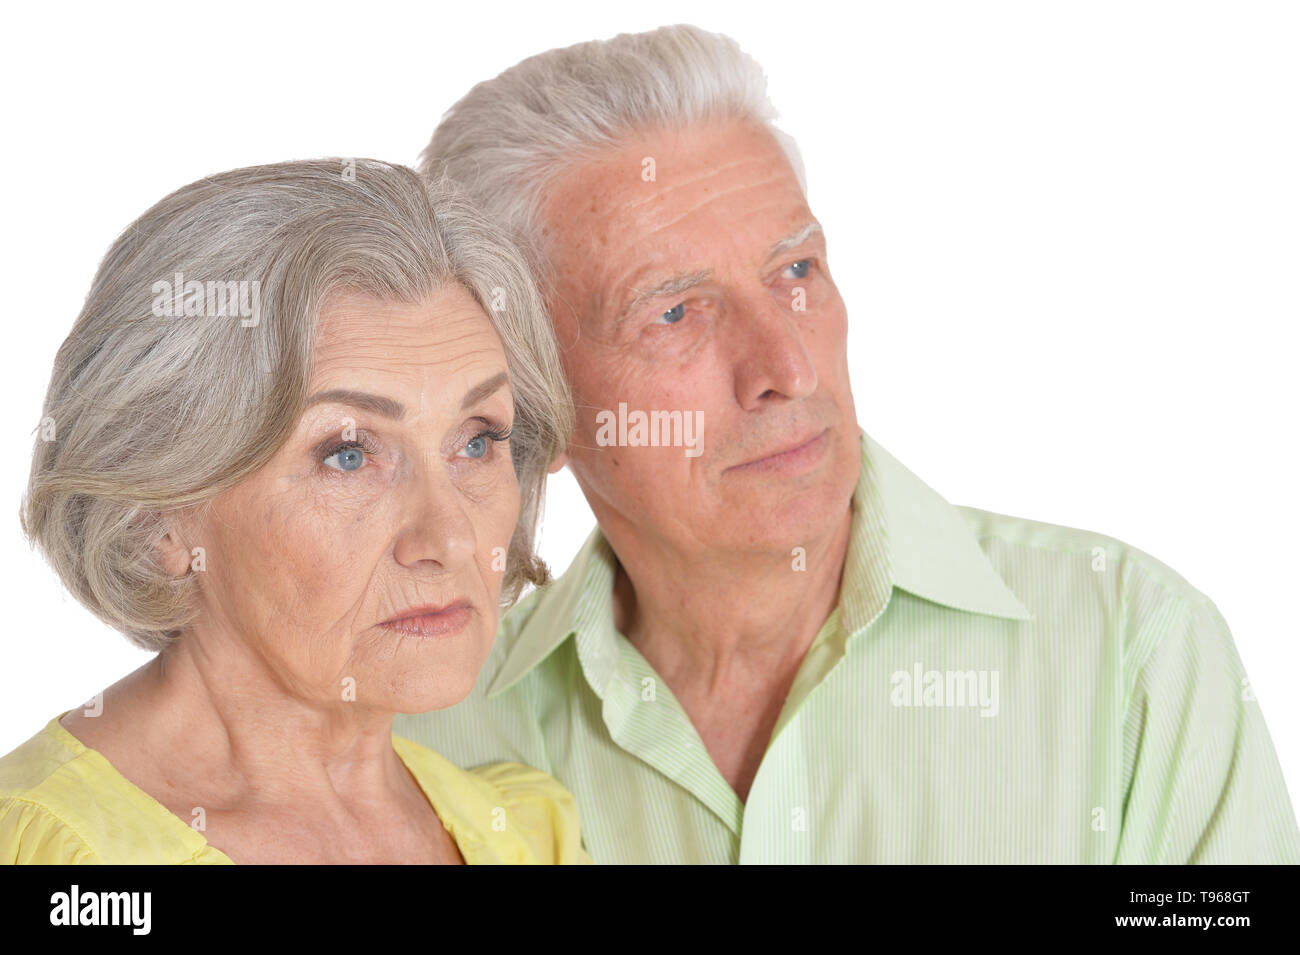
(674, 314)
(479, 445)
(800, 268)
(346, 459)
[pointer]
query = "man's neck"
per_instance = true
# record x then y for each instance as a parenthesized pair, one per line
(728, 634)
(709, 614)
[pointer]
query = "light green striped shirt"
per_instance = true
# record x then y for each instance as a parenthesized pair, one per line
(989, 690)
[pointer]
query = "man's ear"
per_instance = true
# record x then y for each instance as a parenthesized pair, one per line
(560, 461)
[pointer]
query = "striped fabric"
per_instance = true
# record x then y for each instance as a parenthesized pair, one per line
(989, 690)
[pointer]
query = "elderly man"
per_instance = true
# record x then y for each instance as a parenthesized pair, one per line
(780, 645)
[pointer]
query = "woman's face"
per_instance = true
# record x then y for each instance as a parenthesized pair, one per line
(396, 492)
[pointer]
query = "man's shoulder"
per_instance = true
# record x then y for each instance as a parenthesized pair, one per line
(1064, 550)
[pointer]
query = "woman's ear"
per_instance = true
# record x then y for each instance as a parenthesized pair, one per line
(558, 463)
(173, 555)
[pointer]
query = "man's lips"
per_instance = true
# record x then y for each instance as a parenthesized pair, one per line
(430, 620)
(800, 454)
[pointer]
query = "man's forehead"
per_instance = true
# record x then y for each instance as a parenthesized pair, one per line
(661, 174)
(661, 199)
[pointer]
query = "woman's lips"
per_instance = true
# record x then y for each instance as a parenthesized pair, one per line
(432, 622)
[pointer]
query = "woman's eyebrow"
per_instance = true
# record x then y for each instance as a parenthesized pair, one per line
(395, 410)
(484, 388)
(380, 405)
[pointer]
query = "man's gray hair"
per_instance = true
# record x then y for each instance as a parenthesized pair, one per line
(148, 415)
(508, 137)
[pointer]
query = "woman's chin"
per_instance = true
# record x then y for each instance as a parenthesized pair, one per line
(436, 694)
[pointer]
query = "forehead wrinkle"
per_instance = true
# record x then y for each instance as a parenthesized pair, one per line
(395, 338)
(661, 196)
(606, 215)
(682, 182)
(709, 198)
(418, 371)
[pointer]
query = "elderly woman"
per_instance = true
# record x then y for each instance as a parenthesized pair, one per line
(295, 443)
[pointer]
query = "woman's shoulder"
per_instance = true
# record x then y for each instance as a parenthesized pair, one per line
(63, 802)
(42, 788)
(509, 812)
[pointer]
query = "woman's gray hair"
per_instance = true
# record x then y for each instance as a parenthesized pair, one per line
(508, 137)
(150, 413)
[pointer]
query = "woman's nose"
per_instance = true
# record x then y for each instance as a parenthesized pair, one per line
(435, 526)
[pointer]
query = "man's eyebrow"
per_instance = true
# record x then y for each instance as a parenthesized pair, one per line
(673, 286)
(680, 283)
(384, 407)
(794, 240)
(484, 388)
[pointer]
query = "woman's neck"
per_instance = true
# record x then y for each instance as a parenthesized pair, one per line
(211, 719)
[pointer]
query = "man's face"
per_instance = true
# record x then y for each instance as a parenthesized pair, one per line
(703, 291)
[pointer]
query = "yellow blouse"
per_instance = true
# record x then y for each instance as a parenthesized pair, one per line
(64, 803)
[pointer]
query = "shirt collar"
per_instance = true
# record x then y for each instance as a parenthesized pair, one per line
(933, 550)
(904, 534)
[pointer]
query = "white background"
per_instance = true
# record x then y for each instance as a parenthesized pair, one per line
(1067, 233)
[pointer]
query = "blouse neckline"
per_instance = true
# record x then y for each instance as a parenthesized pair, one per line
(197, 843)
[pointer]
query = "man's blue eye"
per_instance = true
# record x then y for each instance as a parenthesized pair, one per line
(346, 459)
(477, 447)
(800, 268)
(674, 314)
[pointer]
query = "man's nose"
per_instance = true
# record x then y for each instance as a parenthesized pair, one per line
(771, 358)
(436, 530)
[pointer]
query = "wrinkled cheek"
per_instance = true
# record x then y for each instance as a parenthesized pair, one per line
(292, 587)
(496, 525)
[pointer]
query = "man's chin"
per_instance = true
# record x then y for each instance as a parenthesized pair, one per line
(782, 519)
